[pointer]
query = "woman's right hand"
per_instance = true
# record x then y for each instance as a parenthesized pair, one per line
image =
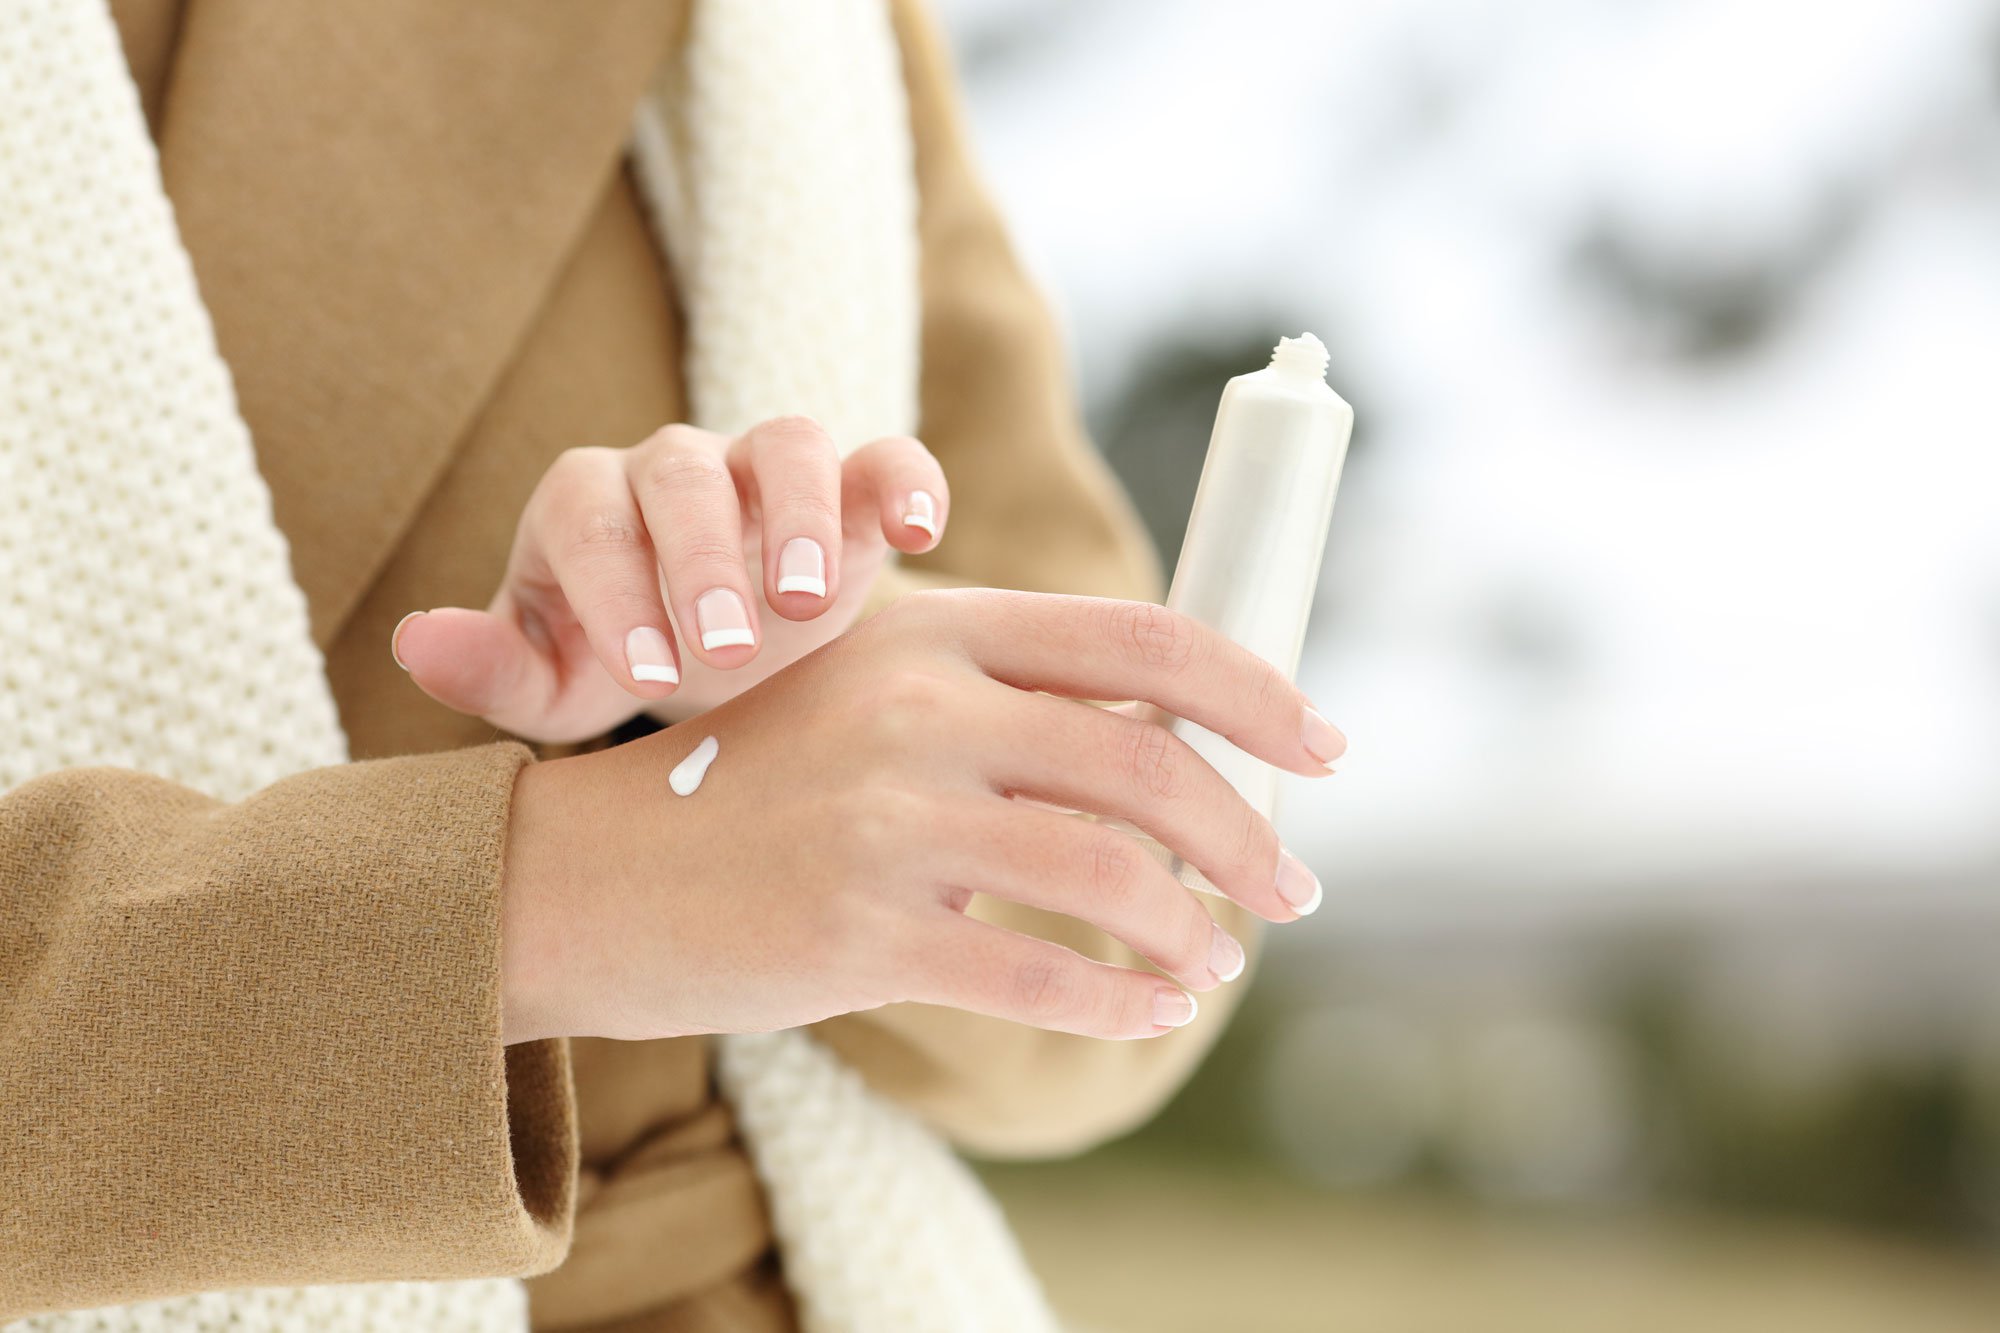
(863, 795)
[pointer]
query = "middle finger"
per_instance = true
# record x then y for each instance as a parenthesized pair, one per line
(695, 518)
(790, 465)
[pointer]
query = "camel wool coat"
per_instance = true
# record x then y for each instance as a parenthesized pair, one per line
(258, 1044)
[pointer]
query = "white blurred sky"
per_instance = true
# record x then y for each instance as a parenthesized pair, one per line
(1773, 583)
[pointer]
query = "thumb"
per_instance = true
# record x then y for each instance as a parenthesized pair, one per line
(478, 663)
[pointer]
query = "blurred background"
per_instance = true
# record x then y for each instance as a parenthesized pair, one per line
(1658, 983)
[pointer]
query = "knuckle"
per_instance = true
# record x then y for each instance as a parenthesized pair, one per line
(701, 550)
(1113, 870)
(857, 936)
(826, 914)
(674, 437)
(930, 604)
(870, 827)
(1153, 762)
(574, 476)
(572, 462)
(903, 447)
(668, 470)
(601, 531)
(883, 630)
(908, 704)
(900, 956)
(1256, 845)
(880, 814)
(1196, 938)
(1155, 637)
(1268, 693)
(1046, 988)
(925, 616)
(795, 428)
(870, 833)
(815, 505)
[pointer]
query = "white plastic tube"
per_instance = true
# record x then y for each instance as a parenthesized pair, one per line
(1250, 561)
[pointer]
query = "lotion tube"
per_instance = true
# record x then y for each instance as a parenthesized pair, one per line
(1250, 561)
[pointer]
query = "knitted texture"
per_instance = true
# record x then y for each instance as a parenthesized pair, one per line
(778, 160)
(147, 608)
(151, 622)
(146, 602)
(433, 1307)
(882, 1227)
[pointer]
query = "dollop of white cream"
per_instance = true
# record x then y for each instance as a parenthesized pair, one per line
(689, 772)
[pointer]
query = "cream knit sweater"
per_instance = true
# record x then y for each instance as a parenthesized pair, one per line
(151, 620)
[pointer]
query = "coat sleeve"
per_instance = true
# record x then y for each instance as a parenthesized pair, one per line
(1034, 507)
(259, 1043)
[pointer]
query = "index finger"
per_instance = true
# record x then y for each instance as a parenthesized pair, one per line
(1100, 648)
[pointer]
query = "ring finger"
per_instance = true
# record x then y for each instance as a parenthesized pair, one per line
(1062, 863)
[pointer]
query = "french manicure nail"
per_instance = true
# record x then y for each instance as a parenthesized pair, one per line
(396, 634)
(1297, 885)
(724, 621)
(802, 567)
(648, 658)
(1322, 739)
(1225, 955)
(1172, 1007)
(920, 511)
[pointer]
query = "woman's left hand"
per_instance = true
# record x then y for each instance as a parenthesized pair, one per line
(620, 552)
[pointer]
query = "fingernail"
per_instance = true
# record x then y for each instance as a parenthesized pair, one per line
(647, 656)
(1225, 956)
(396, 634)
(724, 621)
(1172, 1007)
(1323, 740)
(920, 511)
(802, 567)
(1297, 885)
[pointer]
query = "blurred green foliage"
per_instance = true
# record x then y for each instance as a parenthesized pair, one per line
(1907, 1143)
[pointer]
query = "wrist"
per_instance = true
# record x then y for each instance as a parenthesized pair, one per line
(530, 882)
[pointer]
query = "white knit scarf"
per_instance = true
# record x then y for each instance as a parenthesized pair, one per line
(150, 620)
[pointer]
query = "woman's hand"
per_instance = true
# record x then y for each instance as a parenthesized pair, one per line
(861, 797)
(579, 637)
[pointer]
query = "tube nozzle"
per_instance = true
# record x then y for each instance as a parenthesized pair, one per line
(1303, 357)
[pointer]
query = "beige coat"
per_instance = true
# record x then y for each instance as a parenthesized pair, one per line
(259, 1044)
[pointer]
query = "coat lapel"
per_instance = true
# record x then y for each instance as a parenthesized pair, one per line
(377, 196)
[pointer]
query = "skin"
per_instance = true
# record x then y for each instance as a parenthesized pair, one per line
(687, 511)
(869, 783)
